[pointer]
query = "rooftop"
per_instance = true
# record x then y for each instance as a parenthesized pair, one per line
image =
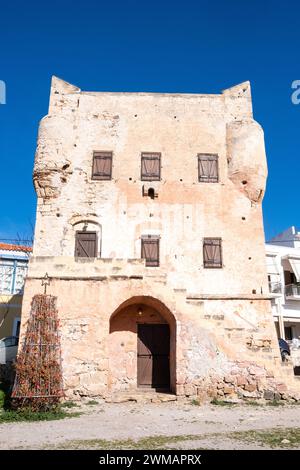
(10, 247)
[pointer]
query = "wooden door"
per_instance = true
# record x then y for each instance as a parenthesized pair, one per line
(153, 358)
(86, 244)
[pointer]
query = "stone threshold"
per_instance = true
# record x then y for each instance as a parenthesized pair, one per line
(140, 396)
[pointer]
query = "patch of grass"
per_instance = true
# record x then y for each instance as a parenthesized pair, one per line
(69, 404)
(195, 402)
(146, 443)
(270, 437)
(92, 402)
(275, 403)
(253, 403)
(218, 402)
(9, 416)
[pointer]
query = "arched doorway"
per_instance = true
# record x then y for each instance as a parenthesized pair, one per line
(142, 346)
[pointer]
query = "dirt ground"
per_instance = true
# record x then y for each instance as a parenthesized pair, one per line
(172, 425)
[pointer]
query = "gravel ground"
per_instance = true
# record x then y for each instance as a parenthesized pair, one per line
(164, 425)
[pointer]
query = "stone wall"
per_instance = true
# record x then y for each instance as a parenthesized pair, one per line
(208, 338)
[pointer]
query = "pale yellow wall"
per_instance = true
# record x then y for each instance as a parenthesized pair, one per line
(10, 308)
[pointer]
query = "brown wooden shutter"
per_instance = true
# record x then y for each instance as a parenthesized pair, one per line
(150, 250)
(208, 171)
(150, 166)
(102, 166)
(86, 245)
(212, 252)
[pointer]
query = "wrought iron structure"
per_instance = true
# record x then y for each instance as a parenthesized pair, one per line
(38, 383)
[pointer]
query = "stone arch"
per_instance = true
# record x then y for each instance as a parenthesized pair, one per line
(122, 346)
(75, 219)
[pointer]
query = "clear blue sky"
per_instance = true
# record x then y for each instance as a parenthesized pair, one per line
(192, 46)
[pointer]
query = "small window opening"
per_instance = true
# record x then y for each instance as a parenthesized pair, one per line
(151, 193)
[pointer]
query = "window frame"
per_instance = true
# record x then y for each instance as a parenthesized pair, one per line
(212, 266)
(209, 157)
(7, 272)
(288, 331)
(151, 239)
(102, 154)
(10, 271)
(146, 156)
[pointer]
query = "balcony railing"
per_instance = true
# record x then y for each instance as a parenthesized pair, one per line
(292, 290)
(275, 287)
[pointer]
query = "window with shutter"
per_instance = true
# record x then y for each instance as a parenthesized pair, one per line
(150, 166)
(86, 245)
(212, 253)
(150, 250)
(102, 166)
(21, 271)
(208, 171)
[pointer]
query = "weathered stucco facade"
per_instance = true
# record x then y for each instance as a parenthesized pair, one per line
(222, 337)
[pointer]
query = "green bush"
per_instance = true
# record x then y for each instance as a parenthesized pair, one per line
(2, 398)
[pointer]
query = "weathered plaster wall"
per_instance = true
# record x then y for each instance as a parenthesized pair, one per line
(180, 127)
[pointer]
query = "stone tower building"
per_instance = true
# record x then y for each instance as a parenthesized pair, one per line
(149, 226)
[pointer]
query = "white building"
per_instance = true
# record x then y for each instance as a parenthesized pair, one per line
(283, 266)
(13, 269)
